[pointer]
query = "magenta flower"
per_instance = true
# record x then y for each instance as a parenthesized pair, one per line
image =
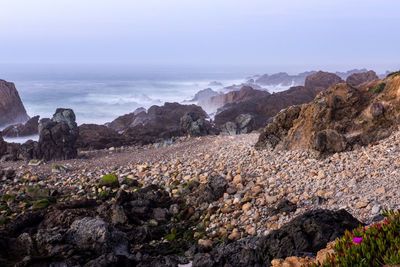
(357, 240)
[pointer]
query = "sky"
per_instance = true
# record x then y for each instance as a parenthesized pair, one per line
(342, 33)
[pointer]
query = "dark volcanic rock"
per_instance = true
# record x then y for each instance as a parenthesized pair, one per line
(57, 137)
(94, 233)
(340, 118)
(31, 127)
(359, 78)
(304, 235)
(93, 136)
(194, 124)
(158, 123)
(11, 108)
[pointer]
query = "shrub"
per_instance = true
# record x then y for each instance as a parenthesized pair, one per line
(41, 204)
(375, 245)
(393, 74)
(379, 88)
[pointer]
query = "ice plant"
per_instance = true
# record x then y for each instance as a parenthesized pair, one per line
(374, 245)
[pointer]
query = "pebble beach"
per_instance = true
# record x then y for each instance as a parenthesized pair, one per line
(363, 182)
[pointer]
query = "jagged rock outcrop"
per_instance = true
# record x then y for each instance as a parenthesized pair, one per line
(283, 79)
(11, 108)
(204, 94)
(211, 105)
(160, 123)
(93, 136)
(244, 123)
(344, 75)
(359, 78)
(57, 136)
(31, 127)
(264, 108)
(339, 119)
(193, 124)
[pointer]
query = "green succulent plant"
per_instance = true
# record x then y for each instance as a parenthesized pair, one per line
(374, 245)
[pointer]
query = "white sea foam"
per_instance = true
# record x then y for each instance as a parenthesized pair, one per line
(21, 140)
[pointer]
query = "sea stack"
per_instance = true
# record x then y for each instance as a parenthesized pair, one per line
(11, 108)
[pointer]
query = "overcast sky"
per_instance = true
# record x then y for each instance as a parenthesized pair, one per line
(240, 32)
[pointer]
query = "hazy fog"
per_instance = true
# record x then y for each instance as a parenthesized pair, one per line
(202, 32)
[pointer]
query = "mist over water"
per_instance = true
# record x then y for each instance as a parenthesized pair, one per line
(99, 95)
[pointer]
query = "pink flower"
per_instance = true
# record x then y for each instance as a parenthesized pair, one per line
(357, 240)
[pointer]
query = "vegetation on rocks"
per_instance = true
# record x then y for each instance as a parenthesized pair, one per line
(109, 180)
(379, 88)
(375, 245)
(393, 74)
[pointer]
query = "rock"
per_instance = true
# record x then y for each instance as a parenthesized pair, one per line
(363, 77)
(283, 79)
(92, 136)
(229, 128)
(158, 123)
(211, 105)
(207, 244)
(194, 125)
(361, 204)
(58, 169)
(95, 234)
(341, 118)
(31, 127)
(376, 109)
(204, 94)
(57, 136)
(284, 206)
(211, 191)
(246, 206)
(109, 180)
(245, 123)
(322, 80)
(307, 233)
(329, 141)
(11, 108)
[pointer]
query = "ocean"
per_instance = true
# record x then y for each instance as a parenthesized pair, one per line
(101, 94)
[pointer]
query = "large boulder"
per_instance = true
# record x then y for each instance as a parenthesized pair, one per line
(31, 127)
(93, 136)
(340, 118)
(305, 235)
(363, 77)
(11, 108)
(244, 123)
(57, 136)
(322, 80)
(194, 125)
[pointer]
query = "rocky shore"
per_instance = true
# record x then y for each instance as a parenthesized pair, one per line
(258, 191)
